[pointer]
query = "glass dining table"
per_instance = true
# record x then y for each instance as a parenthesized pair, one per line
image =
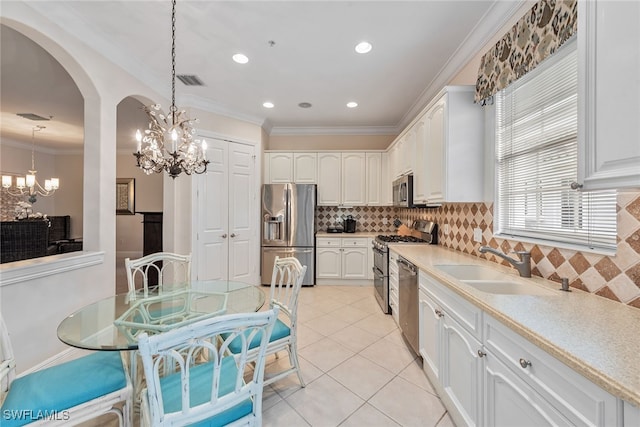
(115, 322)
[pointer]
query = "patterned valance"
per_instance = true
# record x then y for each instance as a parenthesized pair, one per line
(533, 38)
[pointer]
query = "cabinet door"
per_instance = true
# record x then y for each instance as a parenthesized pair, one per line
(304, 168)
(374, 179)
(409, 151)
(354, 187)
(509, 401)
(369, 266)
(609, 96)
(434, 187)
(461, 369)
(329, 179)
(421, 170)
(354, 263)
(281, 167)
(328, 263)
(430, 316)
(386, 179)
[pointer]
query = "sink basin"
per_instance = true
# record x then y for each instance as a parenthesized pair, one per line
(508, 288)
(472, 272)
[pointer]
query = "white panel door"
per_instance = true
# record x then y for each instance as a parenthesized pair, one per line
(430, 316)
(354, 263)
(374, 179)
(354, 189)
(212, 233)
(435, 190)
(328, 263)
(304, 168)
(243, 255)
(280, 168)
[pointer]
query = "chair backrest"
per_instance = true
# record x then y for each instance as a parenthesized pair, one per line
(7, 361)
(286, 281)
(160, 268)
(195, 392)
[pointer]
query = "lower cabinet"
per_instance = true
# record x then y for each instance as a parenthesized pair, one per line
(342, 258)
(394, 297)
(487, 374)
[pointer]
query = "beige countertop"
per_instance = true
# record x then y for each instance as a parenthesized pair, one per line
(597, 337)
(356, 234)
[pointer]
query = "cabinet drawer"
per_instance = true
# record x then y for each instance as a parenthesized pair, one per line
(467, 314)
(328, 242)
(577, 398)
(354, 241)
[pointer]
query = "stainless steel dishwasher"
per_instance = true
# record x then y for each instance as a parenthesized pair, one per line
(408, 301)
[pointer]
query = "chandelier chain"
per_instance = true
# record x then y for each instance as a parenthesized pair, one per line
(173, 63)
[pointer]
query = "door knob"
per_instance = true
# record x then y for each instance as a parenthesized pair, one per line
(524, 363)
(224, 236)
(233, 234)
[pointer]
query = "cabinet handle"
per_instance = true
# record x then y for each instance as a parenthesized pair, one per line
(525, 363)
(224, 236)
(233, 234)
(439, 313)
(576, 186)
(481, 353)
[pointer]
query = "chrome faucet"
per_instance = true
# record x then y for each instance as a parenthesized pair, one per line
(523, 265)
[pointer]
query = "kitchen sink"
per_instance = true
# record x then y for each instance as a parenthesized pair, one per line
(472, 272)
(508, 287)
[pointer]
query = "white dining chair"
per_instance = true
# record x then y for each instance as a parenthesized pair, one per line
(69, 393)
(169, 269)
(210, 391)
(286, 281)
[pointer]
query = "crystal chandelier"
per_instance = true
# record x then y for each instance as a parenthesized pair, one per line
(173, 131)
(28, 185)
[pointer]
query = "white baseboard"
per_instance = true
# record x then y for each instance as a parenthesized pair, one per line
(343, 282)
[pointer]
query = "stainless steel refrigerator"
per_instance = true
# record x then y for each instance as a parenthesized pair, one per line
(288, 227)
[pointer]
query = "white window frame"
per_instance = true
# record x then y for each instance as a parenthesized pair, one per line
(525, 235)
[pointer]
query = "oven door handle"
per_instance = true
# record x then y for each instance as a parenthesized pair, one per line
(381, 252)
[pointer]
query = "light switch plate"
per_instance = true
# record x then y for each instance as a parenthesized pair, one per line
(477, 235)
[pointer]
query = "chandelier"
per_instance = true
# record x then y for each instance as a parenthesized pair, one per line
(28, 185)
(173, 131)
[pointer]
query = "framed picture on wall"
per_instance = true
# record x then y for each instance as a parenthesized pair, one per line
(125, 196)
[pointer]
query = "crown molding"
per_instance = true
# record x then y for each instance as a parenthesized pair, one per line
(339, 130)
(210, 106)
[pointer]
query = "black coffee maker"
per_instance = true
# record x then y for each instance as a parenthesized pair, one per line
(349, 224)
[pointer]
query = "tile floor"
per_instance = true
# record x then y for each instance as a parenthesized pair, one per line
(358, 369)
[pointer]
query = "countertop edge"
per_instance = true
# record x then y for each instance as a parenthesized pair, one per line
(610, 384)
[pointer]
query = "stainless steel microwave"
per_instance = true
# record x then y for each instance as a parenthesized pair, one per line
(403, 191)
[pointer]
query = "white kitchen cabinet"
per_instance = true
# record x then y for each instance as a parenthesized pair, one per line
(609, 94)
(386, 179)
(449, 149)
(354, 188)
(430, 320)
(280, 168)
(373, 179)
(329, 179)
(304, 168)
(580, 401)
(342, 258)
(631, 414)
(509, 401)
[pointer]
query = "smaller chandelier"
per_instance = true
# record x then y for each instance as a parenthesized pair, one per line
(172, 130)
(28, 185)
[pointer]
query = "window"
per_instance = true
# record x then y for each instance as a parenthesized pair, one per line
(537, 160)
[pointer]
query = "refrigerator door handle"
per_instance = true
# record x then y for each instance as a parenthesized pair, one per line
(287, 214)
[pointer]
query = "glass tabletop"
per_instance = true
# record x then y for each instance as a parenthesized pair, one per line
(115, 322)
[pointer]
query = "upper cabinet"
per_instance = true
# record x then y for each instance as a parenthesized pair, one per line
(374, 179)
(284, 167)
(329, 179)
(609, 94)
(447, 151)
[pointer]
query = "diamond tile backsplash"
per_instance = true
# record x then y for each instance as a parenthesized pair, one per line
(614, 277)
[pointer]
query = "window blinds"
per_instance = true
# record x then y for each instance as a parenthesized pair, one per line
(536, 161)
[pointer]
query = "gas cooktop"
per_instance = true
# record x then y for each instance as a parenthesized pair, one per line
(395, 238)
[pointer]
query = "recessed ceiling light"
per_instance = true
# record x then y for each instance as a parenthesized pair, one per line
(352, 104)
(240, 58)
(268, 104)
(363, 47)
(304, 105)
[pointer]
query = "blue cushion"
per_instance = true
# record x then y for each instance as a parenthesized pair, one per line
(280, 330)
(62, 387)
(200, 391)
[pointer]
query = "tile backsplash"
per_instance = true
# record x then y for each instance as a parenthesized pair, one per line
(614, 277)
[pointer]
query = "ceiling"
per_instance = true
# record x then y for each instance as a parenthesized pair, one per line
(311, 59)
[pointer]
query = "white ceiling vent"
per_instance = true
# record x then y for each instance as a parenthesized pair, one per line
(32, 116)
(190, 80)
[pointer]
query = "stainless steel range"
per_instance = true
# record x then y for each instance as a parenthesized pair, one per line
(428, 231)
